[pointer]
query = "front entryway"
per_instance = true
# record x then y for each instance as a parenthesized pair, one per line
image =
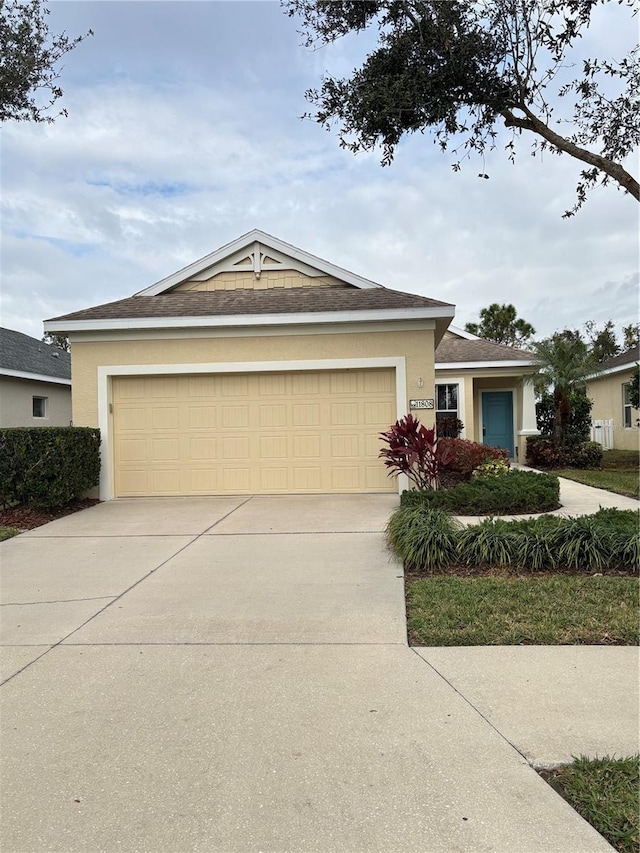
(497, 419)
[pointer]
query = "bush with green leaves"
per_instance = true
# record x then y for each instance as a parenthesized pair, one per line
(545, 453)
(48, 466)
(578, 426)
(609, 540)
(513, 493)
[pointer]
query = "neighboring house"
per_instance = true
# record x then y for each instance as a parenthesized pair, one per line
(484, 385)
(257, 369)
(612, 410)
(35, 382)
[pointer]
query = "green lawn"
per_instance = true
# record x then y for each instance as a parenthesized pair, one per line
(619, 473)
(7, 533)
(605, 791)
(515, 610)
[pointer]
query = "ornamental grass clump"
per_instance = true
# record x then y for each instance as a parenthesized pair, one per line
(422, 538)
(490, 543)
(583, 543)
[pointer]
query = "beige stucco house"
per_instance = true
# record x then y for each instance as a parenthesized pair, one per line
(261, 368)
(35, 382)
(486, 384)
(612, 413)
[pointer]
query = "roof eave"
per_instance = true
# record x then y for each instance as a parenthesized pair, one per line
(473, 365)
(34, 377)
(256, 320)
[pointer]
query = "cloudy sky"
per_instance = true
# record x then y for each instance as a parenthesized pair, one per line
(184, 132)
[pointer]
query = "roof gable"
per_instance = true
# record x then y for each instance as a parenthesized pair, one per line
(257, 252)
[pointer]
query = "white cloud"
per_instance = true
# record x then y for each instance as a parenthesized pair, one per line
(192, 139)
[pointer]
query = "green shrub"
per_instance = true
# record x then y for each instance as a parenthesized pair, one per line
(588, 454)
(48, 466)
(515, 492)
(466, 456)
(545, 453)
(422, 538)
(578, 427)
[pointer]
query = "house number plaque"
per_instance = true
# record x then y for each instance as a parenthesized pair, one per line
(421, 404)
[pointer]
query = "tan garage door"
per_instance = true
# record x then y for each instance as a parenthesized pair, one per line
(252, 433)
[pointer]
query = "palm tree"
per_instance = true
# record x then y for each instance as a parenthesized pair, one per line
(563, 361)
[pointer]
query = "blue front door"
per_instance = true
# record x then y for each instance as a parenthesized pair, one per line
(497, 419)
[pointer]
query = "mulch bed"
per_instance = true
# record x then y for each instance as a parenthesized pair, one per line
(26, 518)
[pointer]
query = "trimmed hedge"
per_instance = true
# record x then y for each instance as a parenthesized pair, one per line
(508, 494)
(429, 540)
(48, 466)
(545, 453)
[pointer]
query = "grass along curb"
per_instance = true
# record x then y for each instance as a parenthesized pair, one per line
(522, 610)
(605, 791)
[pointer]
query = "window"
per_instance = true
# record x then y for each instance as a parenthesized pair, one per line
(626, 404)
(39, 407)
(447, 410)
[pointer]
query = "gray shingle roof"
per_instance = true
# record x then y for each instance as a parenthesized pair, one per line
(458, 350)
(28, 355)
(631, 356)
(255, 302)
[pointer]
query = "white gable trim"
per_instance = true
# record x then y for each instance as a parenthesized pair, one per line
(305, 261)
(620, 368)
(461, 333)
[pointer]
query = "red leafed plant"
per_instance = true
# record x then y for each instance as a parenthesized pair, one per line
(414, 450)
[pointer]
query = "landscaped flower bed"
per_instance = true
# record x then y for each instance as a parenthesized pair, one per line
(430, 540)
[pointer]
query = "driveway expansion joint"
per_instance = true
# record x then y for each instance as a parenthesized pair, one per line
(56, 601)
(474, 707)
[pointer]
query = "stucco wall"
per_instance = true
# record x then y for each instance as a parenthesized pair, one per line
(16, 405)
(417, 346)
(607, 395)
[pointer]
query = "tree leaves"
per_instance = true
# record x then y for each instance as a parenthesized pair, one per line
(458, 70)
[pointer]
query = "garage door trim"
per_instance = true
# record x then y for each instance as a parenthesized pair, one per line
(105, 373)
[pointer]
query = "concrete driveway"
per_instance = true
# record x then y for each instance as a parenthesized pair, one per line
(232, 675)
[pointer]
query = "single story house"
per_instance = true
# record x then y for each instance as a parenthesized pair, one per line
(35, 382)
(616, 424)
(261, 368)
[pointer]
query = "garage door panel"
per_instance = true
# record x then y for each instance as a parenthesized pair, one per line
(274, 479)
(273, 447)
(203, 481)
(235, 417)
(273, 416)
(286, 432)
(202, 417)
(236, 480)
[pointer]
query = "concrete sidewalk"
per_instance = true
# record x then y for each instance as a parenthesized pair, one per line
(232, 675)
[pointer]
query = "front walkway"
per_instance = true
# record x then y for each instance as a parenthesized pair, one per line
(232, 675)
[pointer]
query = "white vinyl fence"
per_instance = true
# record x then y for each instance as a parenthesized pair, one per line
(602, 432)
